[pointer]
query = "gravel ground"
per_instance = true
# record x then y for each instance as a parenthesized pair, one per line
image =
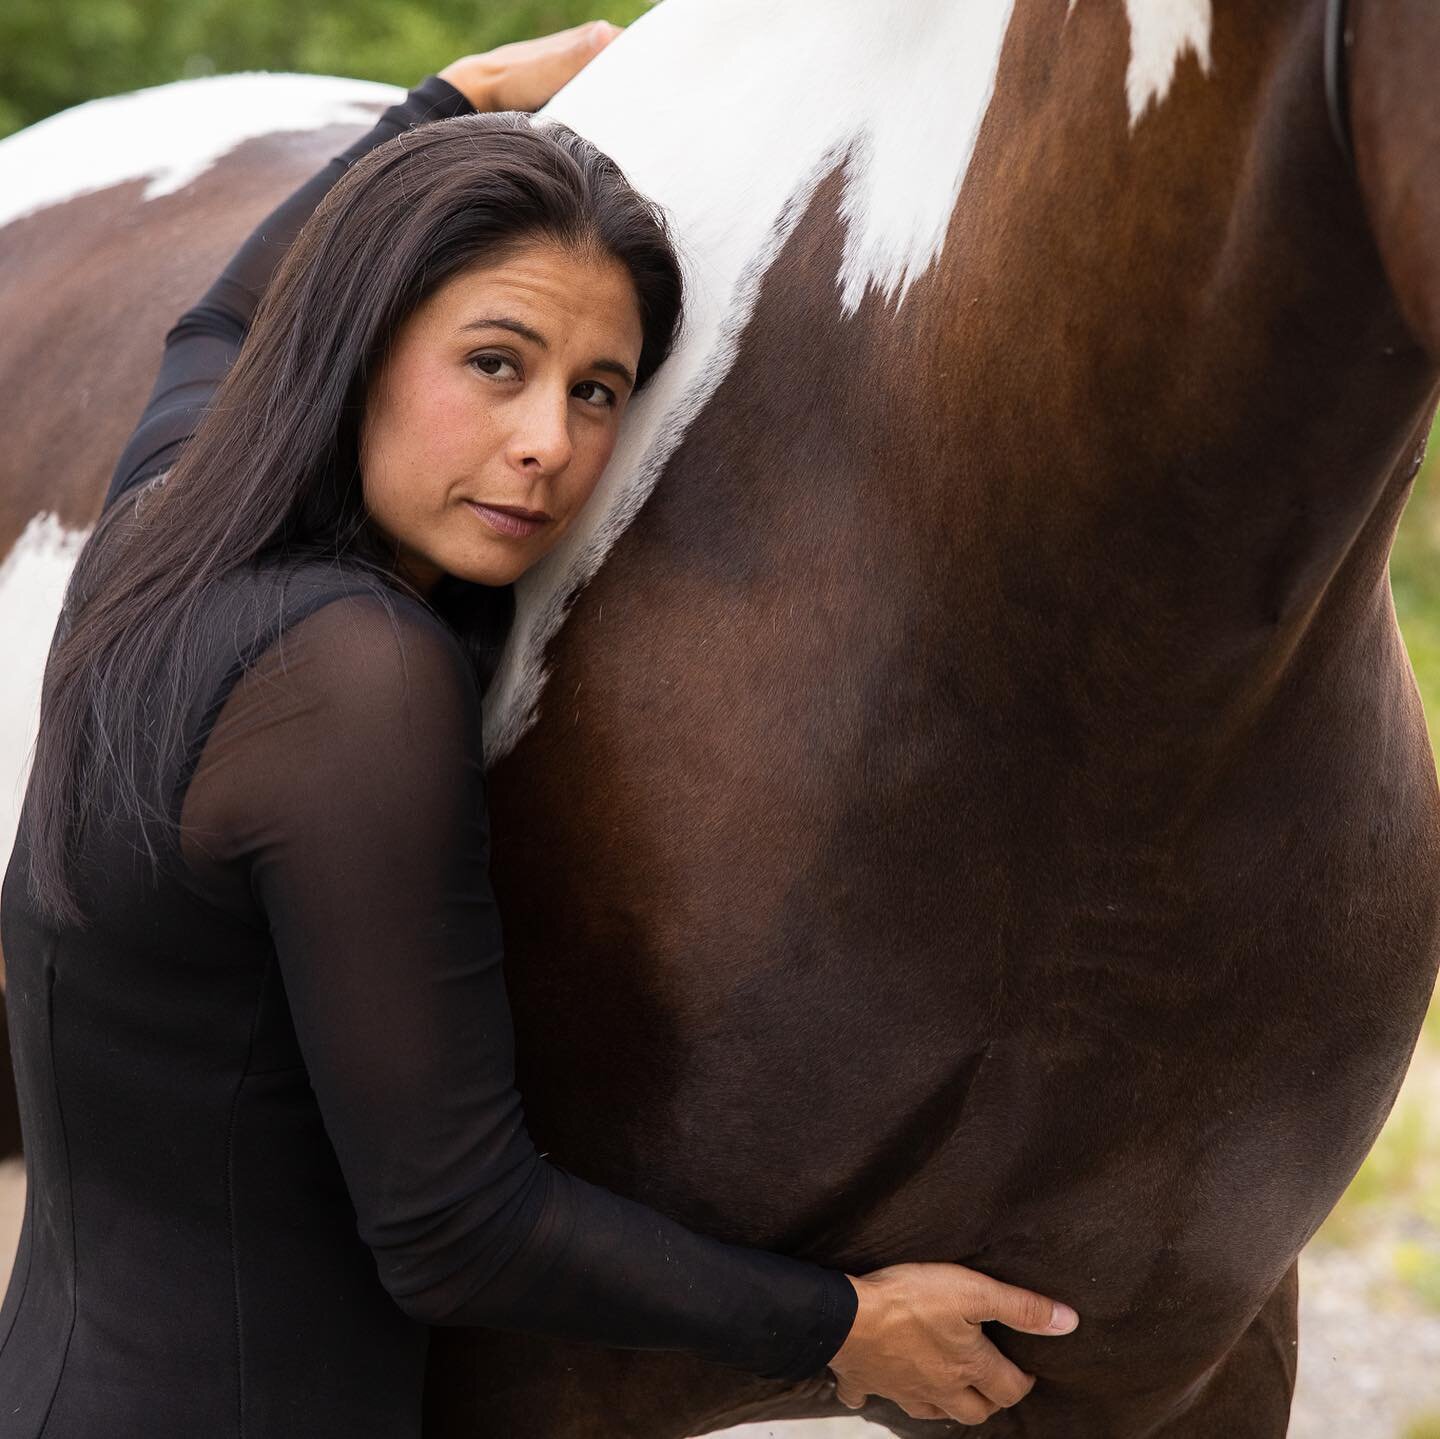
(1369, 1347)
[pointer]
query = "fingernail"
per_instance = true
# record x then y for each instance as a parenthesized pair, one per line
(1063, 1319)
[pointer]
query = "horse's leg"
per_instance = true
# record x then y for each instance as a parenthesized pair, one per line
(485, 1384)
(1248, 1396)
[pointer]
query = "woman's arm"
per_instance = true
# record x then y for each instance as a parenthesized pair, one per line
(203, 343)
(343, 788)
(342, 791)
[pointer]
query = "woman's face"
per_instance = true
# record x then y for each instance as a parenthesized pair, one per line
(496, 410)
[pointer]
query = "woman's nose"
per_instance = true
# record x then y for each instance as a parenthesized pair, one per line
(541, 438)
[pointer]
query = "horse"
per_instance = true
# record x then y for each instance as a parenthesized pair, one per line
(962, 795)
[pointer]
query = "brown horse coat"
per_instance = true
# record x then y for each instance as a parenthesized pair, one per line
(981, 810)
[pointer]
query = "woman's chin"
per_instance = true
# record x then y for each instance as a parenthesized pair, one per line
(492, 573)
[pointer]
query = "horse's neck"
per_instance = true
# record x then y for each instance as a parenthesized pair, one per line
(729, 113)
(1198, 390)
(1083, 256)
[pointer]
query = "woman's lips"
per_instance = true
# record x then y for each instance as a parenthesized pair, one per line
(514, 524)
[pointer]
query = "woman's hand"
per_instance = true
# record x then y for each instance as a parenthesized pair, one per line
(524, 75)
(917, 1340)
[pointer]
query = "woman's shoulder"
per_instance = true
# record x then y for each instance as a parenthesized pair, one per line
(337, 631)
(280, 594)
(251, 604)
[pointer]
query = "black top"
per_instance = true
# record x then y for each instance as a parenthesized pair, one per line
(268, 1096)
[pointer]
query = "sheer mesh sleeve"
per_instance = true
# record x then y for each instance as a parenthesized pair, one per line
(202, 344)
(341, 790)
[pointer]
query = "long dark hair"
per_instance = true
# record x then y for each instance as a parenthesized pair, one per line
(273, 468)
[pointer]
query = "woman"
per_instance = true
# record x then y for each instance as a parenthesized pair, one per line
(261, 1036)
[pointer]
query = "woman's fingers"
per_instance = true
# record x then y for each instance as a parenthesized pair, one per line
(524, 74)
(971, 1407)
(1020, 1309)
(917, 1340)
(925, 1411)
(998, 1380)
(568, 49)
(538, 68)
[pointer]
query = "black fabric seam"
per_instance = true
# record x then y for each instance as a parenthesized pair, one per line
(234, 672)
(230, 1201)
(69, 1192)
(26, 1226)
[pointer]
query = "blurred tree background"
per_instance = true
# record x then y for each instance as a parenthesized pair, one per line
(54, 55)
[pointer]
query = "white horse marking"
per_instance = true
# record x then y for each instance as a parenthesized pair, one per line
(172, 133)
(705, 106)
(1161, 33)
(729, 113)
(32, 585)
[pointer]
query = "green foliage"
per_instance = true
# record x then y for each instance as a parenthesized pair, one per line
(1404, 1167)
(1415, 582)
(1418, 1267)
(54, 56)
(1424, 1426)
(1398, 1170)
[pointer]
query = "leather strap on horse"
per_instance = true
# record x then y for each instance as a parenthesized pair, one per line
(1337, 79)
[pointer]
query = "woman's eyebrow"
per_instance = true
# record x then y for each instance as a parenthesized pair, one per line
(504, 322)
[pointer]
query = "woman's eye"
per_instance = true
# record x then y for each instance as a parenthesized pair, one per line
(605, 396)
(492, 365)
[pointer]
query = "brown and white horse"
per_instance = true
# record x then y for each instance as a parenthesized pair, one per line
(980, 808)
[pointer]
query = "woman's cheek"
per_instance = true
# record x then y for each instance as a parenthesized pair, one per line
(461, 430)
